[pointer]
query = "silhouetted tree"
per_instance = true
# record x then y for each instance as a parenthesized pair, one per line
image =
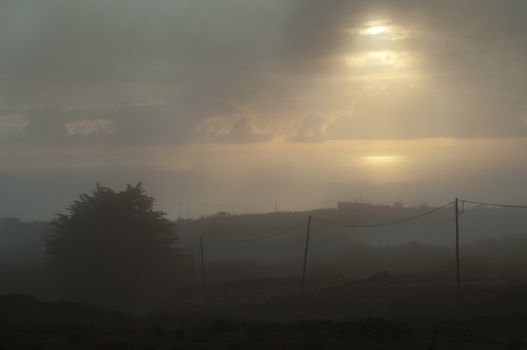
(114, 248)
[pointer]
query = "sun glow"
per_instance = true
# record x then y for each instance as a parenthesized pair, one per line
(382, 30)
(384, 167)
(374, 30)
(380, 52)
(383, 160)
(381, 58)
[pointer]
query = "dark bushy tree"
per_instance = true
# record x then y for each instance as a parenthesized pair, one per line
(113, 248)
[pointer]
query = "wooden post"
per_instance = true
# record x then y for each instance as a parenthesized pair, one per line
(458, 277)
(204, 276)
(305, 254)
(193, 271)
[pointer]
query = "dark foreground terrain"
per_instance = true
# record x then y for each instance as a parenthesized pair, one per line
(377, 313)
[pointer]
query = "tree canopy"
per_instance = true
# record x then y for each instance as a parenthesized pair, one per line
(112, 246)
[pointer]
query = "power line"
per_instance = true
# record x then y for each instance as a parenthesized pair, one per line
(259, 238)
(384, 223)
(496, 204)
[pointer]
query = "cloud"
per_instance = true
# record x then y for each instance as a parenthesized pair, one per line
(402, 112)
(12, 127)
(243, 131)
(281, 58)
(12, 123)
(172, 121)
(240, 131)
(311, 129)
(89, 127)
(523, 118)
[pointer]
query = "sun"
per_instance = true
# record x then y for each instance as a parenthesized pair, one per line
(383, 30)
(375, 30)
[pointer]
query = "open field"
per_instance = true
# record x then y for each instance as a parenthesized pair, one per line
(382, 312)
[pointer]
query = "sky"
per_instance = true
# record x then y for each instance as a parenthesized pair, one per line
(238, 105)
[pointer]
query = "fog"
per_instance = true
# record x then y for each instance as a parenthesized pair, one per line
(250, 178)
(139, 139)
(250, 102)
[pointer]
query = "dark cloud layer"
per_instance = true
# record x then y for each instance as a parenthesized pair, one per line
(167, 122)
(265, 55)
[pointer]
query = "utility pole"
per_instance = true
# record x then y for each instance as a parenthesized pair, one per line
(188, 209)
(203, 275)
(276, 206)
(179, 216)
(193, 271)
(458, 278)
(305, 254)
